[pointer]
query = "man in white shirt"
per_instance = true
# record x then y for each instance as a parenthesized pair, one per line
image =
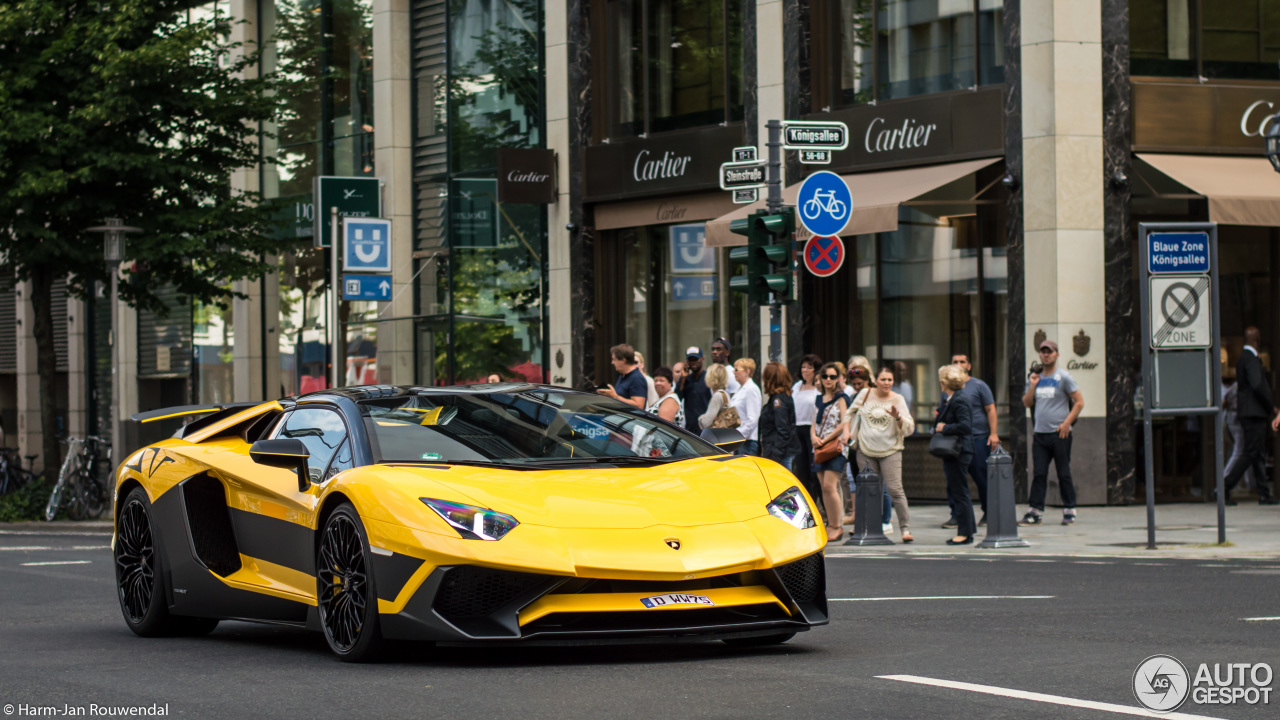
(748, 401)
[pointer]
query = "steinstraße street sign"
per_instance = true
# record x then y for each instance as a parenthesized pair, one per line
(1178, 252)
(1181, 308)
(823, 256)
(810, 135)
(366, 287)
(366, 245)
(744, 175)
(824, 204)
(353, 196)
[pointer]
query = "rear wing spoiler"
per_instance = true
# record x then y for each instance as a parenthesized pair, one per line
(209, 414)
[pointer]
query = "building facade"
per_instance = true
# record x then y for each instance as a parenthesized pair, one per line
(551, 170)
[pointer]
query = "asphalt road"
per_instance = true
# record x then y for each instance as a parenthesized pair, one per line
(63, 643)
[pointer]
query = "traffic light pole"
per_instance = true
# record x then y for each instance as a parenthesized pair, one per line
(773, 178)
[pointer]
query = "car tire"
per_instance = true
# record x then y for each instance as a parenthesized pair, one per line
(345, 591)
(139, 572)
(760, 641)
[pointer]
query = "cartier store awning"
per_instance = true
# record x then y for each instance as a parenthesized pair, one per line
(876, 197)
(1240, 190)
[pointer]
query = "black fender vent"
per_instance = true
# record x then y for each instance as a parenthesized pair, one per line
(209, 521)
(803, 578)
(476, 592)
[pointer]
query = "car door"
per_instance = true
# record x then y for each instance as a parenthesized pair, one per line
(275, 530)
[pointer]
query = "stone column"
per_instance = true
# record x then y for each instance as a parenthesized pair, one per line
(393, 163)
(78, 367)
(559, 270)
(1063, 212)
(581, 240)
(28, 431)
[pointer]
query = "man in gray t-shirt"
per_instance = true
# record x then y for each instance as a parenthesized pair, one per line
(1055, 402)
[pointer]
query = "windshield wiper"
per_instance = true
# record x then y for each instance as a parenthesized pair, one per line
(605, 459)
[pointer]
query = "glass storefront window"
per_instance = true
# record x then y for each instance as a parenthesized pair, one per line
(1236, 39)
(887, 49)
(671, 65)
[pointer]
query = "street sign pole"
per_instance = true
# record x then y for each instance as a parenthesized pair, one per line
(335, 291)
(1180, 264)
(774, 204)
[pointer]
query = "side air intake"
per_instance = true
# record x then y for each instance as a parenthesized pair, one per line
(209, 522)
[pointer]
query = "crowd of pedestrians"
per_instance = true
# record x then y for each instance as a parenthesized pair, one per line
(838, 419)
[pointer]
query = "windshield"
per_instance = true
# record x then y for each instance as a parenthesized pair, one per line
(534, 427)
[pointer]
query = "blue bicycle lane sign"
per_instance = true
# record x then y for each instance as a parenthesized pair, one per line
(825, 204)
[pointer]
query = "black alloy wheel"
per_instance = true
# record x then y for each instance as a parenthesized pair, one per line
(138, 573)
(344, 588)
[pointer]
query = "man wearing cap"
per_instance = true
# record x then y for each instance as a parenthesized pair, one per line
(695, 393)
(1055, 402)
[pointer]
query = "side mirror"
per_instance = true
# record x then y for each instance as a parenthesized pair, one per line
(727, 439)
(289, 453)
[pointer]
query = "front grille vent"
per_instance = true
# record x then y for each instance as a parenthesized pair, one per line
(803, 578)
(475, 592)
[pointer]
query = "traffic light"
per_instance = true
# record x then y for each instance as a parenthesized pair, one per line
(768, 256)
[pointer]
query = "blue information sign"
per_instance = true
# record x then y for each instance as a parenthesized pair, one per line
(825, 204)
(1178, 252)
(366, 244)
(689, 251)
(366, 287)
(693, 287)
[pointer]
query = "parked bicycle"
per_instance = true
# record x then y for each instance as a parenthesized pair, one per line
(12, 474)
(82, 487)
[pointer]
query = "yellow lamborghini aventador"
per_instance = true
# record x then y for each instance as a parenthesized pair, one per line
(491, 514)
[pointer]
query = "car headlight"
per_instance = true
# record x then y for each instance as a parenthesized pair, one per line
(792, 508)
(471, 522)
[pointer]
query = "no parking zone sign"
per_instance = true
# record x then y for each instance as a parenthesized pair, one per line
(823, 256)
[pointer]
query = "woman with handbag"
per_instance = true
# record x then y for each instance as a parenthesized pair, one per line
(828, 461)
(877, 423)
(719, 414)
(951, 443)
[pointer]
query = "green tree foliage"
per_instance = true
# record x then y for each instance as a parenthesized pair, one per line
(137, 109)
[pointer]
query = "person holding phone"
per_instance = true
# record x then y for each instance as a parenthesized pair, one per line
(1055, 402)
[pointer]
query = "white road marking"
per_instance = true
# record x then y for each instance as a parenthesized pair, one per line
(34, 548)
(948, 597)
(1260, 619)
(1092, 562)
(1041, 697)
(1040, 561)
(57, 562)
(55, 533)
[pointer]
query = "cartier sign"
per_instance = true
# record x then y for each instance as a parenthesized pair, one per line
(1212, 117)
(918, 131)
(671, 163)
(526, 176)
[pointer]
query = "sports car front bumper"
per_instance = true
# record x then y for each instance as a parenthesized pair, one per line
(470, 604)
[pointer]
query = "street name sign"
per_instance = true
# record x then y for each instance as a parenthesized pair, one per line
(742, 175)
(1178, 252)
(366, 245)
(824, 204)
(1181, 309)
(352, 196)
(366, 287)
(806, 135)
(815, 157)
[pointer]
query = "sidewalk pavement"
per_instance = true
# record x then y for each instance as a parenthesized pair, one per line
(1183, 530)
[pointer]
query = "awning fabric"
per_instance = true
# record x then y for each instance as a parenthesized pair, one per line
(662, 211)
(1241, 190)
(876, 196)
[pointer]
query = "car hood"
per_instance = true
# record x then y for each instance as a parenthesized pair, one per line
(681, 494)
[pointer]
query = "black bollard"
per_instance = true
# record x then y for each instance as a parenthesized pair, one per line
(1002, 512)
(867, 509)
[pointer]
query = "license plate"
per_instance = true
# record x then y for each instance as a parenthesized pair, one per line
(670, 599)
